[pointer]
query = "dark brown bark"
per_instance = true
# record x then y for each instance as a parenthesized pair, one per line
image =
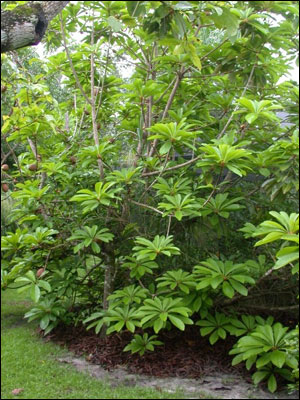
(26, 25)
(108, 281)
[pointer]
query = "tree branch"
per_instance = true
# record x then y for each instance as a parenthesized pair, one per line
(172, 168)
(178, 79)
(26, 24)
(93, 103)
(146, 206)
(71, 62)
(237, 106)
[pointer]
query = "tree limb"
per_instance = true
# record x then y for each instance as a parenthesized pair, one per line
(71, 62)
(172, 168)
(26, 24)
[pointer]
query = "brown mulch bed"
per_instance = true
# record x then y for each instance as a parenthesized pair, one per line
(184, 354)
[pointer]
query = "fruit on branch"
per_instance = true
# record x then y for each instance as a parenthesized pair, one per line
(4, 167)
(39, 272)
(5, 187)
(32, 167)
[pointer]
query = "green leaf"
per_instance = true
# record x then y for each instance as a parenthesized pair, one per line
(258, 376)
(30, 275)
(263, 360)
(292, 362)
(221, 333)
(130, 326)
(177, 322)
(215, 282)
(264, 171)
(286, 259)
(226, 20)
(250, 362)
(119, 325)
(45, 285)
(165, 148)
(163, 316)
(237, 359)
(271, 237)
(178, 215)
(135, 8)
(23, 288)
(114, 24)
(252, 117)
(35, 293)
(183, 5)
(206, 331)
(44, 322)
(180, 23)
(214, 337)
(239, 287)
(227, 289)
(272, 384)
(278, 358)
(194, 57)
(157, 326)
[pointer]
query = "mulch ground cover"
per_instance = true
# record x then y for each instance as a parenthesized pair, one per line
(183, 354)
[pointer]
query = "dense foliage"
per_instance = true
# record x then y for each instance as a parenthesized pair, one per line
(149, 173)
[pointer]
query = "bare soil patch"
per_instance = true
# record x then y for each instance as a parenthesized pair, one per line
(186, 361)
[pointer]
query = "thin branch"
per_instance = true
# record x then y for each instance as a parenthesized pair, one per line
(237, 106)
(89, 272)
(104, 76)
(33, 148)
(165, 92)
(146, 206)
(93, 103)
(130, 50)
(214, 189)
(202, 26)
(141, 283)
(15, 158)
(172, 168)
(161, 172)
(267, 308)
(78, 126)
(71, 62)
(179, 77)
(9, 153)
(169, 225)
(211, 51)
(238, 297)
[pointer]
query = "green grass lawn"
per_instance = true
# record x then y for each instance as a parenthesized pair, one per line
(27, 362)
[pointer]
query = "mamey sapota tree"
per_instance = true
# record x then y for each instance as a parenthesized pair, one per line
(166, 197)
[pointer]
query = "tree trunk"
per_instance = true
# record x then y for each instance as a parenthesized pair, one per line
(26, 25)
(109, 277)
